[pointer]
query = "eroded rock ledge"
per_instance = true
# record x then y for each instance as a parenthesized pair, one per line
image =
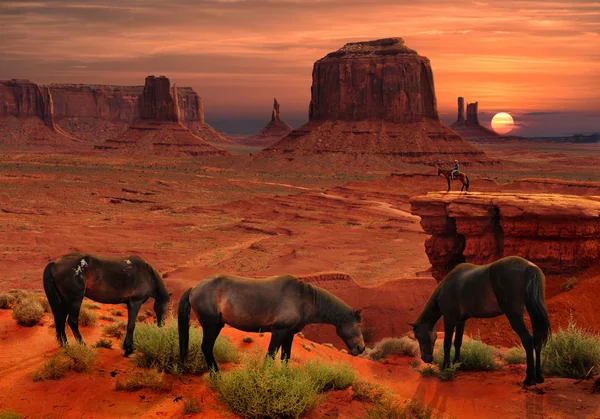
(560, 233)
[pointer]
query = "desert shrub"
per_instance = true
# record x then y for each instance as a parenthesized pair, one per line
(77, 358)
(116, 312)
(107, 318)
(474, 355)
(450, 371)
(28, 312)
(9, 414)
(414, 363)
(367, 391)
(392, 409)
(392, 346)
(7, 301)
(572, 352)
(569, 284)
(191, 406)
(151, 379)
(515, 356)
(116, 330)
(91, 306)
(141, 317)
(427, 371)
(247, 339)
(264, 388)
(368, 333)
(103, 343)
(149, 313)
(158, 347)
(19, 294)
(87, 317)
(45, 304)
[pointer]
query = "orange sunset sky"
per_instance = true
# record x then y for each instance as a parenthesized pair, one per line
(538, 60)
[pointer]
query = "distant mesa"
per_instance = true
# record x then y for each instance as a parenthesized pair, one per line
(27, 118)
(470, 128)
(274, 131)
(373, 106)
(158, 129)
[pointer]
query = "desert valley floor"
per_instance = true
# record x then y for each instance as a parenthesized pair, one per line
(194, 217)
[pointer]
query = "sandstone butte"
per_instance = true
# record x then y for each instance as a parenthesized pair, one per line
(373, 105)
(95, 113)
(559, 233)
(274, 131)
(158, 129)
(27, 118)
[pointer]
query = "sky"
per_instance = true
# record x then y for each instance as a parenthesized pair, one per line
(537, 60)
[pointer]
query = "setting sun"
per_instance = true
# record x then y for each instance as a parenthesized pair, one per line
(502, 123)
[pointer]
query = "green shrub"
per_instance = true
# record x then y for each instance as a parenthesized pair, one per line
(158, 347)
(116, 330)
(191, 406)
(141, 318)
(77, 358)
(87, 317)
(391, 409)
(450, 371)
(7, 301)
(103, 343)
(19, 294)
(28, 312)
(107, 318)
(392, 346)
(117, 313)
(427, 371)
(474, 355)
(569, 284)
(91, 306)
(9, 414)
(45, 304)
(151, 379)
(572, 353)
(515, 356)
(367, 391)
(264, 388)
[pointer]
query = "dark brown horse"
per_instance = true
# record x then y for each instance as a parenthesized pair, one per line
(507, 286)
(128, 280)
(460, 176)
(282, 305)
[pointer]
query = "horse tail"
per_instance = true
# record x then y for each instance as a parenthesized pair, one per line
(535, 302)
(52, 293)
(183, 322)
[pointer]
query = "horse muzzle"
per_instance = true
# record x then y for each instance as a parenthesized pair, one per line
(428, 359)
(357, 350)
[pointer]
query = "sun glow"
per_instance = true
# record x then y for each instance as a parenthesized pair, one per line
(502, 123)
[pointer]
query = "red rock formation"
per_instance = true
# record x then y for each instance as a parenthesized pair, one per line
(461, 110)
(470, 129)
(560, 233)
(158, 130)
(274, 131)
(372, 105)
(27, 117)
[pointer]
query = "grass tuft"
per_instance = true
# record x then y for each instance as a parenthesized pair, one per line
(118, 313)
(91, 306)
(9, 414)
(391, 409)
(116, 330)
(151, 379)
(474, 355)
(45, 304)
(515, 356)
(572, 352)
(191, 406)
(87, 317)
(158, 347)
(77, 358)
(107, 318)
(569, 284)
(7, 301)
(367, 391)
(427, 371)
(450, 371)
(393, 346)
(103, 343)
(28, 312)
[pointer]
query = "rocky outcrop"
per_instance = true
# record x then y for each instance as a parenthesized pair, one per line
(372, 105)
(24, 99)
(274, 131)
(158, 131)
(560, 233)
(470, 128)
(461, 110)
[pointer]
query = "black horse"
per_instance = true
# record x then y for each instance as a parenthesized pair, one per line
(507, 286)
(282, 305)
(128, 280)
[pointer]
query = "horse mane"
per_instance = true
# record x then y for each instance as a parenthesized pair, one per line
(161, 292)
(430, 306)
(330, 308)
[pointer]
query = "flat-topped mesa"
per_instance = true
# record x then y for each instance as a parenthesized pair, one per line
(373, 80)
(157, 103)
(274, 131)
(373, 107)
(22, 99)
(472, 114)
(559, 233)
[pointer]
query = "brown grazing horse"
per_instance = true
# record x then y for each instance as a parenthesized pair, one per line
(460, 176)
(128, 280)
(282, 305)
(507, 286)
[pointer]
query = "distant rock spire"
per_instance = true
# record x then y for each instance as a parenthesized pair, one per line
(275, 113)
(461, 109)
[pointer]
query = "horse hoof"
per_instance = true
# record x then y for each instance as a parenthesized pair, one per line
(529, 381)
(539, 379)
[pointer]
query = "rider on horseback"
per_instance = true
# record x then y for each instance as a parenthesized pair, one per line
(454, 172)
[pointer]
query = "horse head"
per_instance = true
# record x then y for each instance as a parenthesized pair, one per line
(351, 333)
(426, 337)
(161, 306)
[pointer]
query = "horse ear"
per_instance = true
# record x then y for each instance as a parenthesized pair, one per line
(412, 324)
(357, 314)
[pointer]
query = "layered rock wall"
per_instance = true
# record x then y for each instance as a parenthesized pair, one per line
(25, 99)
(559, 233)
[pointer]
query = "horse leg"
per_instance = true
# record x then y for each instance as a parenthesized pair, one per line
(211, 332)
(448, 179)
(74, 306)
(286, 347)
(277, 337)
(60, 320)
(460, 329)
(133, 308)
(518, 325)
(449, 323)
